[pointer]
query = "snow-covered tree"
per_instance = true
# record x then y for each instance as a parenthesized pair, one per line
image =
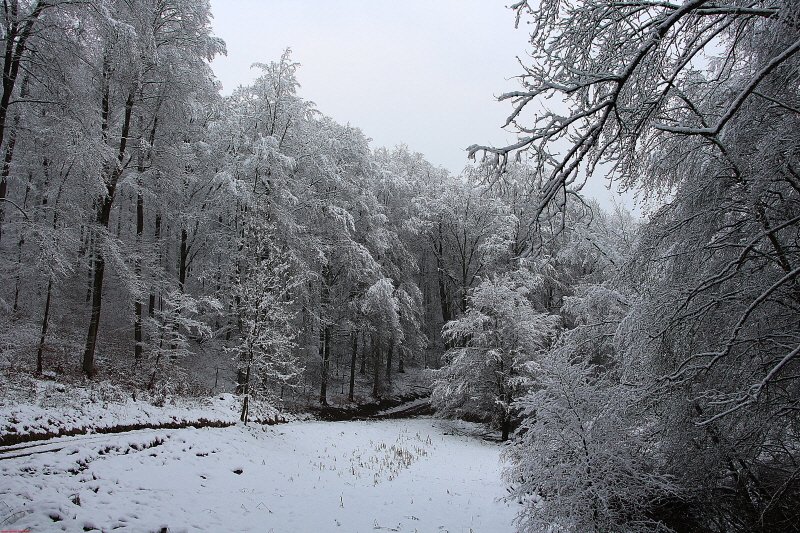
(265, 353)
(693, 104)
(582, 459)
(494, 344)
(382, 307)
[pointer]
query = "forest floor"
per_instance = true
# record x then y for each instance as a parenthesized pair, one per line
(408, 475)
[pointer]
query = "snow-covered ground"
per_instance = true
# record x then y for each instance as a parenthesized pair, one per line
(32, 408)
(408, 475)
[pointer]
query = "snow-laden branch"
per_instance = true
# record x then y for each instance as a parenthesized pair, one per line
(737, 103)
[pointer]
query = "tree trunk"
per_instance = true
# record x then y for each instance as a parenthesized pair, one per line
(389, 354)
(376, 374)
(246, 401)
(90, 263)
(103, 216)
(45, 322)
(9, 155)
(506, 426)
(94, 321)
(325, 352)
(183, 258)
(445, 307)
(353, 358)
(363, 369)
(151, 306)
(20, 244)
(138, 306)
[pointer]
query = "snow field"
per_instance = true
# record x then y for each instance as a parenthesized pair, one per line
(392, 475)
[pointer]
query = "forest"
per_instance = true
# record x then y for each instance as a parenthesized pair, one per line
(166, 241)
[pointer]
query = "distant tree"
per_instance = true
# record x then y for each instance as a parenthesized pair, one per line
(465, 227)
(382, 307)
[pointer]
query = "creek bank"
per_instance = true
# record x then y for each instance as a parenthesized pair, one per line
(383, 408)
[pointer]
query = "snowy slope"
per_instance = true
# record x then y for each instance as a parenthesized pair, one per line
(53, 409)
(390, 475)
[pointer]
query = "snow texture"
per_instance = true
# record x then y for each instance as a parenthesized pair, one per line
(414, 475)
(62, 410)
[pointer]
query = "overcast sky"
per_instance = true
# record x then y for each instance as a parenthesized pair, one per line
(420, 72)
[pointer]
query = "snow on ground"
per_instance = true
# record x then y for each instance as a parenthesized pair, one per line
(413, 475)
(56, 409)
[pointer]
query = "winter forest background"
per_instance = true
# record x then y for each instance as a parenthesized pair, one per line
(163, 241)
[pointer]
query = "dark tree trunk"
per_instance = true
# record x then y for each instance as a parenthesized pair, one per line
(90, 264)
(246, 402)
(48, 300)
(389, 354)
(183, 258)
(376, 368)
(363, 369)
(9, 155)
(20, 244)
(506, 426)
(16, 45)
(353, 358)
(151, 307)
(443, 300)
(325, 352)
(103, 216)
(94, 321)
(138, 306)
(45, 323)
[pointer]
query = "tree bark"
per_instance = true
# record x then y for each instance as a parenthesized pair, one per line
(138, 333)
(103, 215)
(389, 354)
(45, 322)
(9, 155)
(20, 244)
(443, 301)
(90, 245)
(151, 306)
(353, 358)
(363, 369)
(376, 374)
(506, 427)
(138, 306)
(48, 299)
(325, 352)
(246, 401)
(184, 254)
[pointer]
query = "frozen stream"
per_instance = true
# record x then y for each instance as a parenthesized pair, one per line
(349, 477)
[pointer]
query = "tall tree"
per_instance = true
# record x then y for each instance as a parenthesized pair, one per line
(20, 20)
(695, 104)
(133, 41)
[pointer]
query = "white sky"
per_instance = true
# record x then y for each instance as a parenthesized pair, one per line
(420, 72)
